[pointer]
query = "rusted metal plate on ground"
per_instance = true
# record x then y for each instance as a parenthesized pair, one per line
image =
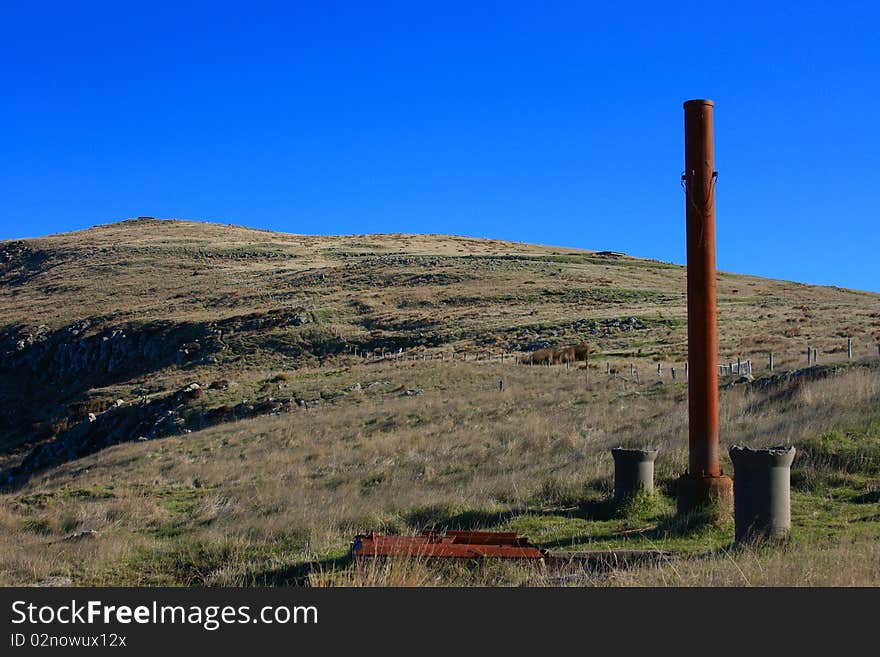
(452, 544)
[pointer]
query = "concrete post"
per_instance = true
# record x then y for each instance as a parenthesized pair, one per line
(771, 361)
(633, 471)
(849, 348)
(762, 492)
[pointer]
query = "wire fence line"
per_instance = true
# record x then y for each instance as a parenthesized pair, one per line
(612, 366)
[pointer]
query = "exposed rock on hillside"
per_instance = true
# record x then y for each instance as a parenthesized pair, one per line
(136, 311)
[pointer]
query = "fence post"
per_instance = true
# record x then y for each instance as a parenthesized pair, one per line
(849, 348)
(659, 369)
(771, 361)
(809, 355)
(815, 356)
(673, 373)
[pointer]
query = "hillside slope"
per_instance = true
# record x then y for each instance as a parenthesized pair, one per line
(104, 329)
(187, 403)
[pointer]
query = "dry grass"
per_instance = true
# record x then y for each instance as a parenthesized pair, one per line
(848, 563)
(256, 501)
(275, 499)
(464, 288)
(750, 567)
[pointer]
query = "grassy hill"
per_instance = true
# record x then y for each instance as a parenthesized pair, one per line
(196, 403)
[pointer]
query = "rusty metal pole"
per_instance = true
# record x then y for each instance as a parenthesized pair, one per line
(704, 481)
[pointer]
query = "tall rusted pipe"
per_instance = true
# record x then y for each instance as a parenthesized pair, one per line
(699, 157)
(704, 480)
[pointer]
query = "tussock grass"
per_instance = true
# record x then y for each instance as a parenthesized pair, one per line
(399, 447)
(276, 500)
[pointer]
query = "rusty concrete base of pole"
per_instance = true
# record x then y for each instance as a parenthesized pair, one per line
(693, 493)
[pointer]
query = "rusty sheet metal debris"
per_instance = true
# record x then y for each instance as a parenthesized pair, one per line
(452, 544)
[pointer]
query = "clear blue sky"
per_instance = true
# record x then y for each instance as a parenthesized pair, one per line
(546, 122)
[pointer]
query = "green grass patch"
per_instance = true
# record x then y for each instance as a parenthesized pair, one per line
(193, 562)
(855, 450)
(46, 499)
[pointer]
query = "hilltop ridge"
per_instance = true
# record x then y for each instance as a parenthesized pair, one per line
(137, 310)
(194, 403)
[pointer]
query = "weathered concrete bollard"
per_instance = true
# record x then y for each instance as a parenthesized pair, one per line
(633, 471)
(762, 492)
